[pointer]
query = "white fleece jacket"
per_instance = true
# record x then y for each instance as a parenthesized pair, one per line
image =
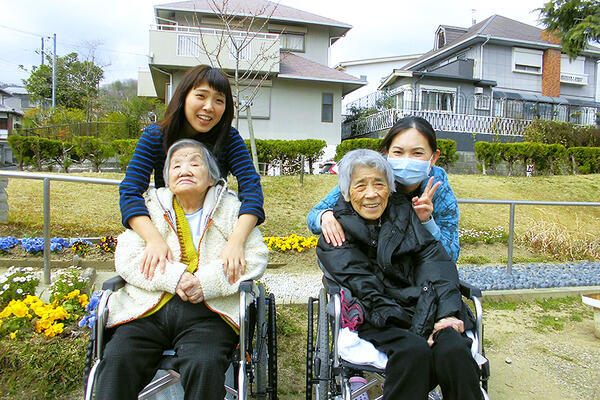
(220, 214)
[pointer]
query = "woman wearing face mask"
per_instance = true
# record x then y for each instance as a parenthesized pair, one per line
(411, 150)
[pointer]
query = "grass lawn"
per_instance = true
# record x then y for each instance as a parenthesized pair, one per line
(92, 210)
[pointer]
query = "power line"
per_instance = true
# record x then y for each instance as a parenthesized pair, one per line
(65, 42)
(22, 31)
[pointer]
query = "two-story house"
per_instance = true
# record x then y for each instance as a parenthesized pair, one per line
(300, 97)
(10, 118)
(494, 77)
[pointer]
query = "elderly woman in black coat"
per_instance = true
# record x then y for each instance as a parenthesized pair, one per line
(406, 282)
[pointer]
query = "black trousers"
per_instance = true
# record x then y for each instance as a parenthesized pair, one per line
(414, 368)
(202, 340)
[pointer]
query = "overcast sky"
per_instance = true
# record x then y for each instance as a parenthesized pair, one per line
(118, 29)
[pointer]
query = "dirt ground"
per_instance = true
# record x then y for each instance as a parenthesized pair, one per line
(542, 350)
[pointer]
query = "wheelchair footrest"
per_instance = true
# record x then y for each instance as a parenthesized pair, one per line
(170, 378)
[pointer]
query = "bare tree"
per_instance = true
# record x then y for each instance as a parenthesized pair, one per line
(240, 40)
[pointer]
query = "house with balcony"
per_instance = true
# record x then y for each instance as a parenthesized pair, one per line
(300, 96)
(491, 79)
(10, 119)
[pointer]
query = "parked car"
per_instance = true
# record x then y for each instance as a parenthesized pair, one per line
(329, 167)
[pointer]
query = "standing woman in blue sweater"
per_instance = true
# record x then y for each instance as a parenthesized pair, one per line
(411, 149)
(202, 109)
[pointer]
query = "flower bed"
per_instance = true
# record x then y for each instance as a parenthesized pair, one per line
(62, 248)
(24, 314)
(291, 242)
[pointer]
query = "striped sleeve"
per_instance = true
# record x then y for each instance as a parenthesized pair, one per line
(240, 165)
(147, 153)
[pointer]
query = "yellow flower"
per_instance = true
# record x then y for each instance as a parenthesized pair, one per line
(53, 330)
(13, 335)
(19, 309)
(84, 300)
(72, 294)
(6, 312)
(32, 300)
(42, 325)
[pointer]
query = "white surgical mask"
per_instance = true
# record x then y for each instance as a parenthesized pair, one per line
(410, 171)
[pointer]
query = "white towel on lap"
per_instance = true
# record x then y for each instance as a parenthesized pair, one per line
(359, 351)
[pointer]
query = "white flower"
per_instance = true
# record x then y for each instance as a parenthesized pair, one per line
(5, 287)
(19, 291)
(3, 279)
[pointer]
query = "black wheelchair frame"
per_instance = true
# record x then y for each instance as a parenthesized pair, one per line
(254, 362)
(328, 374)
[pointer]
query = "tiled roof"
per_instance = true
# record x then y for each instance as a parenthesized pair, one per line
(15, 89)
(293, 65)
(495, 26)
(7, 109)
(282, 12)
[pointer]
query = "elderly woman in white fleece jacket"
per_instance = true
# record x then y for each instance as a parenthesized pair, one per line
(191, 306)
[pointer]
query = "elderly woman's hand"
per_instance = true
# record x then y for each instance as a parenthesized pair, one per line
(448, 322)
(189, 288)
(332, 230)
(423, 205)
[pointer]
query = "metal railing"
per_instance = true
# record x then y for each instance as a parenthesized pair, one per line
(46, 178)
(49, 177)
(511, 221)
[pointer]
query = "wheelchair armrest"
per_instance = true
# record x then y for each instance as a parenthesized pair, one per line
(246, 286)
(115, 283)
(469, 291)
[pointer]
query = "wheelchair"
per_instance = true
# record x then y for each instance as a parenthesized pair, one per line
(253, 369)
(328, 373)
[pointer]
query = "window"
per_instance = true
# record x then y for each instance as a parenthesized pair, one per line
(527, 61)
(292, 41)
(327, 107)
(363, 77)
(441, 39)
(3, 123)
(573, 71)
(435, 100)
(482, 102)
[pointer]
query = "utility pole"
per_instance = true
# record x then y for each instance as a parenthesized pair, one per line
(42, 50)
(54, 74)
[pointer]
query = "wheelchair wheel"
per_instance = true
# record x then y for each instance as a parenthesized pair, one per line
(272, 347)
(322, 348)
(261, 348)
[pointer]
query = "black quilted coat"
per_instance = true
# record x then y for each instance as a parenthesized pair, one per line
(398, 271)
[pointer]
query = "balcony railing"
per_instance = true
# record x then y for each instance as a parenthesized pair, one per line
(177, 45)
(499, 116)
(440, 120)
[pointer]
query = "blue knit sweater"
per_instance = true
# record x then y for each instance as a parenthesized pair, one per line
(149, 156)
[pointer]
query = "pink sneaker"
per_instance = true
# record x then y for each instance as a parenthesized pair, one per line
(356, 382)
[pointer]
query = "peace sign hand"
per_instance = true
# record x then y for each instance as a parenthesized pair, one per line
(423, 205)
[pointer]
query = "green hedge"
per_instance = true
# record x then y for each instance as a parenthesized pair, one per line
(123, 149)
(564, 133)
(289, 152)
(546, 158)
(585, 159)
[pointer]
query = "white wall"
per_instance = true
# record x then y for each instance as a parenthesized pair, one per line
(374, 72)
(296, 113)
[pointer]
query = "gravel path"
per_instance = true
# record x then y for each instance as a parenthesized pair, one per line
(297, 288)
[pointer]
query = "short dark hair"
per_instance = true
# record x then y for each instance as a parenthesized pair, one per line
(405, 123)
(174, 121)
